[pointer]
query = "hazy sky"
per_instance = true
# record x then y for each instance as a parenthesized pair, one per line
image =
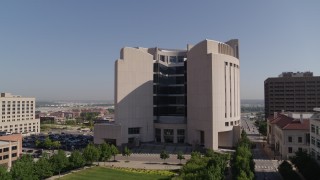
(66, 49)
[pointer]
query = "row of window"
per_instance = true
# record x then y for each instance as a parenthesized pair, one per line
(171, 59)
(16, 125)
(13, 102)
(13, 120)
(13, 116)
(18, 112)
(314, 129)
(290, 149)
(7, 149)
(232, 123)
(315, 142)
(290, 139)
(168, 135)
(7, 156)
(315, 154)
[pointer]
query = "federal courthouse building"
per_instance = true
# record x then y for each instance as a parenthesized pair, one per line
(189, 96)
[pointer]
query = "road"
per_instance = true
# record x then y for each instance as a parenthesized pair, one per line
(265, 168)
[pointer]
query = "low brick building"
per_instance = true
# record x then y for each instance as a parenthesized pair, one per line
(10, 149)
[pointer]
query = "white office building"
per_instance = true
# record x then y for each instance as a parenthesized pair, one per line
(17, 114)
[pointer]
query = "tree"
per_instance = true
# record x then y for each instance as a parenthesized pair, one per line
(287, 172)
(105, 152)
(242, 163)
(262, 127)
(47, 143)
(56, 144)
(114, 151)
(59, 161)
(43, 168)
(4, 174)
(211, 166)
(164, 155)
(126, 152)
(23, 168)
(38, 143)
(180, 156)
(70, 122)
(306, 165)
(91, 153)
(76, 160)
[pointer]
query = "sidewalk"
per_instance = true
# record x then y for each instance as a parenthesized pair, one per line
(141, 165)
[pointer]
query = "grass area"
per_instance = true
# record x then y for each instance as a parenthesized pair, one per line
(112, 174)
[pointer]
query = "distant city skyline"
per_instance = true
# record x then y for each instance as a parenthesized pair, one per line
(65, 50)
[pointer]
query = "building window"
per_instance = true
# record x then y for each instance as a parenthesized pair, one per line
(289, 139)
(317, 130)
(299, 139)
(226, 123)
(135, 130)
(162, 58)
(313, 129)
(14, 148)
(158, 135)
(180, 132)
(313, 141)
(0, 158)
(300, 149)
(5, 149)
(289, 149)
(180, 58)
(168, 132)
(168, 135)
(130, 140)
(173, 59)
(318, 143)
(0, 150)
(5, 156)
(180, 139)
(14, 155)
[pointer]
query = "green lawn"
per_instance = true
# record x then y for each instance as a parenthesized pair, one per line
(111, 174)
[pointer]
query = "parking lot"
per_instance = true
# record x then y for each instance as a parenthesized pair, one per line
(68, 142)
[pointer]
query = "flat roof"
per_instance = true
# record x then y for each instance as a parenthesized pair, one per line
(4, 143)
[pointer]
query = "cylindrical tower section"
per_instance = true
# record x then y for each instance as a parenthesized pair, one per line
(213, 94)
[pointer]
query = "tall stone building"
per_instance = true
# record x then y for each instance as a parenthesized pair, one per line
(176, 96)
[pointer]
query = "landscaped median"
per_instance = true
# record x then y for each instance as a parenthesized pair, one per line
(119, 173)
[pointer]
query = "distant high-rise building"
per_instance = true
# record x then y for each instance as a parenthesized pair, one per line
(294, 92)
(176, 96)
(17, 114)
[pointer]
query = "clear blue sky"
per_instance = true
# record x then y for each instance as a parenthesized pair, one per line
(66, 49)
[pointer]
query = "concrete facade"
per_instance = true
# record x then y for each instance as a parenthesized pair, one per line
(213, 94)
(294, 92)
(17, 114)
(176, 96)
(315, 135)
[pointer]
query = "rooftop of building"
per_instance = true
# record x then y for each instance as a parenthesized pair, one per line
(316, 115)
(4, 143)
(9, 95)
(12, 137)
(296, 74)
(288, 121)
